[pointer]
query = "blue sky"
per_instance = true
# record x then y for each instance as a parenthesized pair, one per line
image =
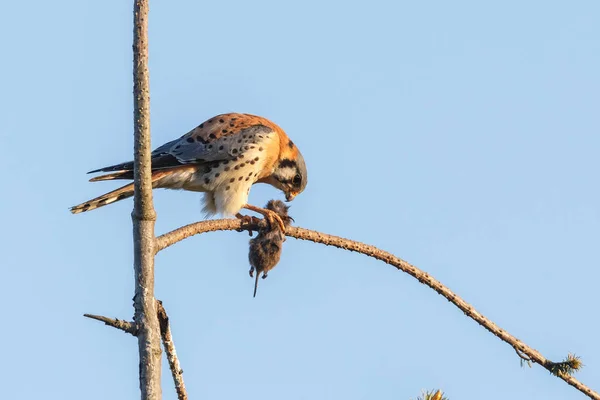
(461, 136)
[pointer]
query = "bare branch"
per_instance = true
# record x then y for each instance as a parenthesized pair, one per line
(167, 339)
(143, 207)
(143, 214)
(213, 225)
(522, 349)
(125, 326)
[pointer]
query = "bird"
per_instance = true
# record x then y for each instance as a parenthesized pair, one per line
(265, 248)
(222, 157)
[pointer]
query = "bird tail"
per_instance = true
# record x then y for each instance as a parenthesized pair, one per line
(121, 193)
(114, 175)
(256, 283)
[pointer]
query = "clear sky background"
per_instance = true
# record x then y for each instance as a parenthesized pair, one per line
(461, 136)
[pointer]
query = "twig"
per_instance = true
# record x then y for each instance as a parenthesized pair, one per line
(125, 326)
(523, 357)
(167, 339)
(184, 232)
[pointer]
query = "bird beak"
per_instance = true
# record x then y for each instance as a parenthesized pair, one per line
(289, 196)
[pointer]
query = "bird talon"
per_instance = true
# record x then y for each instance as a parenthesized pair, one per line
(274, 220)
(246, 222)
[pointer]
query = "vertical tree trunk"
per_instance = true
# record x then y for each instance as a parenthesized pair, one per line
(144, 215)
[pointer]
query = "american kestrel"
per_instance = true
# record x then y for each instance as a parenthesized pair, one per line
(222, 157)
(265, 248)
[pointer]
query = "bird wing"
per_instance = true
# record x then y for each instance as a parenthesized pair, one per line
(223, 137)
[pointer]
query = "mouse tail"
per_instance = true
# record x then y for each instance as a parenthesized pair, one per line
(256, 283)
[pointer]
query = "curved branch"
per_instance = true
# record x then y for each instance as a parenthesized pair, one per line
(212, 225)
(170, 238)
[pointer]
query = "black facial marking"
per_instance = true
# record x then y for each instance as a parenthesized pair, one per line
(212, 136)
(291, 144)
(287, 163)
(221, 120)
(190, 140)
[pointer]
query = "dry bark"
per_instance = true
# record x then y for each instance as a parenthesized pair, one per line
(143, 215)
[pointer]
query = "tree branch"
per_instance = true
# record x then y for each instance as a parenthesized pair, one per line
(170, 238)
(213, 225)
(167, 339)
(125, 326)
(143, 214)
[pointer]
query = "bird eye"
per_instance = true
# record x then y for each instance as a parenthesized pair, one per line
(297, 179)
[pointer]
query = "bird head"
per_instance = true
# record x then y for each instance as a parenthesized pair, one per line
(290, 174)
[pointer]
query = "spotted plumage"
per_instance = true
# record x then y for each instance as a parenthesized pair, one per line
(222, 157)
(265, 248)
